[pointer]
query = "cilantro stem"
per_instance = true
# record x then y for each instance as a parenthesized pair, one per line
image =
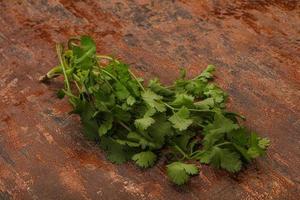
(135, 78)
(109, 74)
(55, 71)
(195, 110)
(181, 151)
(224, 143)
(190, 109)
(59, 53)
(130, 72)
(88, 53)
(71, 40)
(125, 126)
(76, 84)
(171, 107)
(106, 57)
(69, 94)
(196, 153)
(237, 115)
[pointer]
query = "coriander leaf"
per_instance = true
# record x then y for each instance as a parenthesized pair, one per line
(86, 112)
(179, 172)
(216, 93)
(207, 73)
(87, 43)
(239, 136)
(215, 131)
(127, 142)
(180, 119)
(144, 159)
(182, 73)
(231, 161)
(153, 100)
(264, 143)
(195, 87)
(160, 129)
(143, 142)
(106, 125)
(130, 100)
(84, 53)
(104, 101)
(143, 123)
(205, 104)
(150, 112)
(121, 91)
(221, 158)
(257, 145)
(183, 100)
(183, 140)
(156, 86)
(116, 152)
(243, 151)
(120, 114)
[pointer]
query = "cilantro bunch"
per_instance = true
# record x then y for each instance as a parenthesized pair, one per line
(185, 123)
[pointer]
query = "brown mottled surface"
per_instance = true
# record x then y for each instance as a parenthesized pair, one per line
(255, 44)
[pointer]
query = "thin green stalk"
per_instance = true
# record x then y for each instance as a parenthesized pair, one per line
(224, 143)
(195, 154)
(105, 57)
(181, 151)
(88, 53)
(190, 109)
(132, 74)
(124, 126)
(69, 94)
(135, 78)
(70, 42)
(109, 74)
(171, 107)
(195, 110)
(54, 72)
(236, 114)
(59, 53)
(76, 84)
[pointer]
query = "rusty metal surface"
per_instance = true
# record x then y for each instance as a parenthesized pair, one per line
(254, 44)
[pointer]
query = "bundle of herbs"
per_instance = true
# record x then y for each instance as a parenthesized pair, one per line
(185, 122)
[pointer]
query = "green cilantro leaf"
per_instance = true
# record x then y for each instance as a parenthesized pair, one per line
(205, 104)
(156, 86)
(106, 125)
(207, 73)
(216, 93)
(116, 152)
(130, 100)
(154, 100)
(263, 143)
(143, 123)
(221, 158)
(183, 100)
(257, 145)
(141, 140)
(179, 172)
(181, 120)
(215, 131)
(144, 159)
(161, 129)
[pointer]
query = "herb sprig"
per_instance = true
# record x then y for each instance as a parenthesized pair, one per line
(185, 122)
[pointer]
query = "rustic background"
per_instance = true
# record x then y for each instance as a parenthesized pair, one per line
(255, 45)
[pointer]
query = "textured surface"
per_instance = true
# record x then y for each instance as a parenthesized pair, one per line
(254, 44)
